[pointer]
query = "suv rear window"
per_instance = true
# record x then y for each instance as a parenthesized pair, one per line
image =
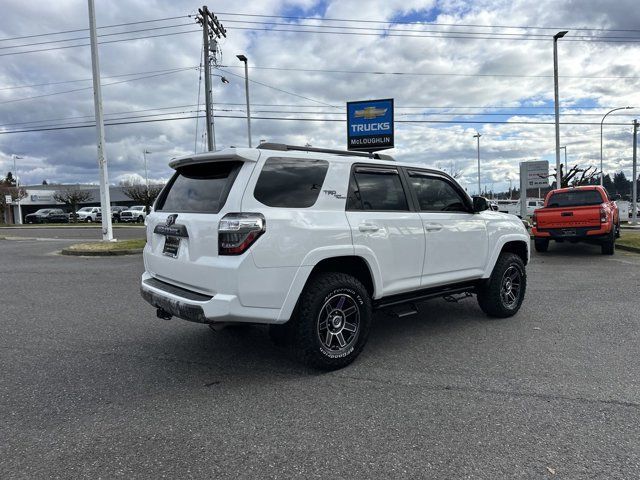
(290, 182)
(200, 188)
(378, 189)
(577, 198)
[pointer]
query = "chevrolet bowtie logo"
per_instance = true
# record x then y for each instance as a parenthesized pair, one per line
(370, 112)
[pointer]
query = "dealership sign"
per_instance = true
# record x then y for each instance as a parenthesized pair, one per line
(370, 125)
(537, 173)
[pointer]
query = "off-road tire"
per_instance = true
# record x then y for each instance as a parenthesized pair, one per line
(541, 245)
(608, 247)
(320, 298)
(490, 292)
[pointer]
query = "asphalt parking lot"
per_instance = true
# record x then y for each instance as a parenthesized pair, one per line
(94, 386)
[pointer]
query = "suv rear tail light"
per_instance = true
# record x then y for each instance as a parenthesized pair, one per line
(238, 231)
(603, 215)
(534, 220)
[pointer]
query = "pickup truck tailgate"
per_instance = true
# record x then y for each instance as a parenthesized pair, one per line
(569, 217)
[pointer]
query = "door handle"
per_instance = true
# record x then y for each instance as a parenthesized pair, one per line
(433, 227)
(368, 227)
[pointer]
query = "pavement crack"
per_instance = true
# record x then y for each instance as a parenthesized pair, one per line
(495, 391)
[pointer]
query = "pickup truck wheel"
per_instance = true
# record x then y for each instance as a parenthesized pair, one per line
(88, 220)
(332, 321)
(541, 245)
(502, 294)
(609, 245)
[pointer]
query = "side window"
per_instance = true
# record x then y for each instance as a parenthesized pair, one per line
(290, 182)
(436, 194)
(378, 189)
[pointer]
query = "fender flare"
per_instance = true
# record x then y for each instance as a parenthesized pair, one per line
(495, 253)
(316, 256)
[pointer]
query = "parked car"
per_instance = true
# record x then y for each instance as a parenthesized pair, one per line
(136, 213)
(47, 215)
(313, 241)
(88, 214)
(115, 214)
(577, 214)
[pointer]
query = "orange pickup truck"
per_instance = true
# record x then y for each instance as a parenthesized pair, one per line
(577, 214)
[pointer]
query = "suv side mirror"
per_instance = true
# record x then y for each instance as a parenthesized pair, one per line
(480, 204)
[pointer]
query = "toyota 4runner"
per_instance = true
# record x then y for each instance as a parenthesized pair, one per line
(313, 241)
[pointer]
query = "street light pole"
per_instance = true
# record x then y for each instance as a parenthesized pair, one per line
(244, 59)
(557, 104)
(146, 171)
(634, 180)
(601, 124)
(477, 136)
(15, 172)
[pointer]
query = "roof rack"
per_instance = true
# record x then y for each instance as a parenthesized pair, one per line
(284, 148)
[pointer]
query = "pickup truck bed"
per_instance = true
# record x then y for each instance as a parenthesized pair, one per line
(577, 214)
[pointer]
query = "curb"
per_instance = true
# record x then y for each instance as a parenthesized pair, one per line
(105, 253)
(628, 249)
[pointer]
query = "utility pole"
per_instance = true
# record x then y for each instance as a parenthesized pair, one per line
(634, 184)
(105, 201)
(210, 27)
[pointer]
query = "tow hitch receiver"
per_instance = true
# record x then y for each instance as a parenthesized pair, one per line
(163, 314)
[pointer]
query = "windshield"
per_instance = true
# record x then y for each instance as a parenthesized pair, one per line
(577, 198)
(43, 211)
(85, 209)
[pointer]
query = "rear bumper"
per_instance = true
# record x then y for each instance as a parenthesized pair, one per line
(578, 233)
(196, 307)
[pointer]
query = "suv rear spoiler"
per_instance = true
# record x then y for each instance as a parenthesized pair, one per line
(226, 155)
(284, 148)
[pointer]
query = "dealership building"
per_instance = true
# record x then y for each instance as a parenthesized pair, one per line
(41, 196)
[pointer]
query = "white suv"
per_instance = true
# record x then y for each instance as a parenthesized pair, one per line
(312, 241)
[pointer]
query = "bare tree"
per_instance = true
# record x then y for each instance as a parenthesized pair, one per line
(452, 170)
(576, 176)
(72, 197)
(142, 194)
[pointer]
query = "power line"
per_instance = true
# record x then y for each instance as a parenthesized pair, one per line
(279, 89)
(15, 87)
(447, 36)
(285, 112)
(100, 43)
(115, 122)
(427, 74)
(89, 88)
(47, 42)
(522, 27)
(86, 29)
